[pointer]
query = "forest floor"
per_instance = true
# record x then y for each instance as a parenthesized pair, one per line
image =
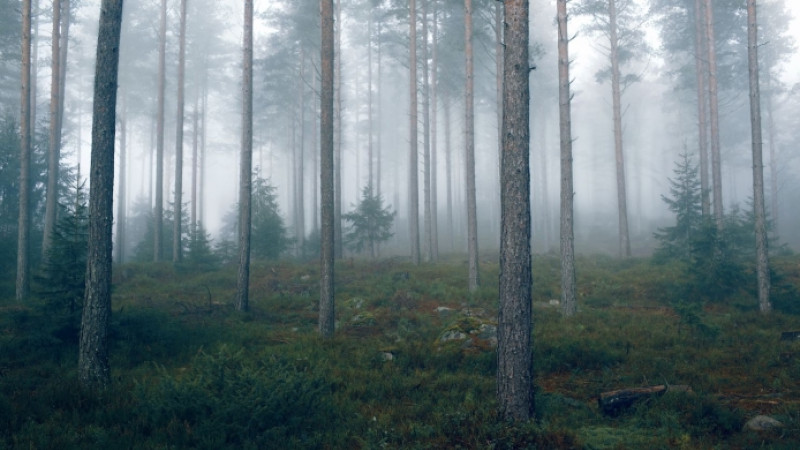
(412, 364)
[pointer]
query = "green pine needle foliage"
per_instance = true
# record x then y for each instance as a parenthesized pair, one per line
(370, 223)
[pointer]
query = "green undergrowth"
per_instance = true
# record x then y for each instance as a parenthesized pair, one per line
(190, 372)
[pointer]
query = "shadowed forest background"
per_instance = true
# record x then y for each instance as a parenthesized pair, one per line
(666, 281)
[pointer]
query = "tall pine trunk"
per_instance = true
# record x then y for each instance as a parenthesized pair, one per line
(569, 302)
(426, 138)
(413, 170)
(716, 160)
(514, 322)
(701, 73)
(158, 235)
(326, 297)
(619, 156)
(338, 243)
(25, 185)
(121, 218)
(434, 108)
(177, 246)
(93, 368)
(469, 153)
(245, 162)
(54, 152)
(762, 252)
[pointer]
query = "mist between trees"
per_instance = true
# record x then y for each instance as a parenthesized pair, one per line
(658, 113)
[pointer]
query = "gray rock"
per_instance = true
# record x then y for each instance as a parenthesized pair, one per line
(452, 335)
(761, 423)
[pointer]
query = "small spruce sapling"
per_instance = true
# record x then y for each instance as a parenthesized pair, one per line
(370, 223)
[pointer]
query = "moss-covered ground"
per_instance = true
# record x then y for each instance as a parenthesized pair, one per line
(190, 372)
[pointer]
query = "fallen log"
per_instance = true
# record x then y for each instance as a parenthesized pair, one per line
(613, 402)
(790, 335)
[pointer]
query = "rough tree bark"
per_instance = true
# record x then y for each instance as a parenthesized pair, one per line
(326, 304)
(24, 222)
(245, 162)
(469, 153)
(93, 368)
(569, 303)
(514, 323)
(413, 183)
(177, 247)
(762, 254)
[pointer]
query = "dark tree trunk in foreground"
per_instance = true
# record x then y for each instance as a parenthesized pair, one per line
(569, 304)
(177, 247)
(246, 163)
(24, 223)
(54, 153)
(93, 369)
(469, 156)
(158, 235)
(514, 324)
(413, 184)
(762, 255)
(326, 304)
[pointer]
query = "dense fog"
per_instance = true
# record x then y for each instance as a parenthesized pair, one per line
(659, 107)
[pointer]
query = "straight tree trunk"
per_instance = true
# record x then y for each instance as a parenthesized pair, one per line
(702, 103)
(338, 246)
(93, 367)
(448, 157)
(434, 108)
(514, 323)
(326, 296)
(195, 145)
(413, 183)
(300, 225)
(25, 185)
(616, 99)
(35, 13)
(177, 246)
(158, 234)
(773, 161)
(762, 253)
(202, 180)
(716, 161)
(123, 177)
(469, 153)
(569, 302)
(54, 153)
(426, 138)
(246, 162)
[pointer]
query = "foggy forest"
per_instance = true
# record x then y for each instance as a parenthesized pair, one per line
(399, 224)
